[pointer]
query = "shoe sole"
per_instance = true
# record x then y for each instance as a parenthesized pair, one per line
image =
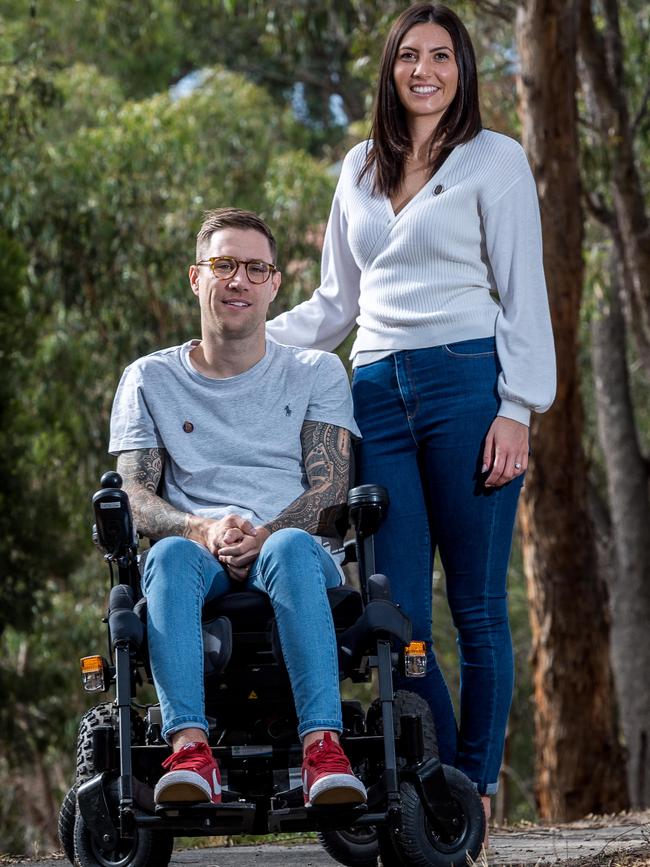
(183, 787)
(337, 789)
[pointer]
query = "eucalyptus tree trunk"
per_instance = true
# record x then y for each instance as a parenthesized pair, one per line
(578, 757)
(629, 581)
(612, 131)
(603, 80)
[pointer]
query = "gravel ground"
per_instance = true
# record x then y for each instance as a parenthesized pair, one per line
(605, 841)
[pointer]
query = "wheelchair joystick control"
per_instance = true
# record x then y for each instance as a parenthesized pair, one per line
(111, 479)
(114, 529)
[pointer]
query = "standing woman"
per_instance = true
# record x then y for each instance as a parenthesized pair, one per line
(433, 248)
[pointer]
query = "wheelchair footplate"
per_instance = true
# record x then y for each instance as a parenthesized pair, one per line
(313, 818)
(235, 817)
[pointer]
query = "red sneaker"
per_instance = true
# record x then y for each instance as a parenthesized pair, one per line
(327, 777)
(192, 776)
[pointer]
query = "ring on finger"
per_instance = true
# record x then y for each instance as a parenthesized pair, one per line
(517, 466)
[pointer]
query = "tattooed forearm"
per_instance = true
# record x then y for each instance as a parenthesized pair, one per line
(141, 471)
(326, 456)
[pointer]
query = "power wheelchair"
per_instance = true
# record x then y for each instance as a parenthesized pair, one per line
(418, 811)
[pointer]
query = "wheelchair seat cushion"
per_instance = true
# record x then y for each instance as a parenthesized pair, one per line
(247, 610)
(251, 610)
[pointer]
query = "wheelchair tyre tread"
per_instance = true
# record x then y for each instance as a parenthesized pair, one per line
(100, 715)
(420, 846)
(406, 703)
(351, 847)
(66, 824)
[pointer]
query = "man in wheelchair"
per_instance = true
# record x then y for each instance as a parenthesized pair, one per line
(230, 448)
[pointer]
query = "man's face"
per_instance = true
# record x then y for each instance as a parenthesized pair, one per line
(234, 306)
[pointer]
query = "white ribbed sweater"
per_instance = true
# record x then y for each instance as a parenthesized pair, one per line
(462, 260)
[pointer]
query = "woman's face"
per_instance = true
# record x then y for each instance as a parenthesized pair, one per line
(425, 71)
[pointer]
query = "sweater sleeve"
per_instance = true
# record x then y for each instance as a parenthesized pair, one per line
(524, 338)
(325, 319)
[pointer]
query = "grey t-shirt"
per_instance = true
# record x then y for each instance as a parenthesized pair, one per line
(233, 445)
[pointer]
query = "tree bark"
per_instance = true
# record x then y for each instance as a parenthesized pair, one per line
(629, 582)
(579, 761)
(603, 81)
(604, 87)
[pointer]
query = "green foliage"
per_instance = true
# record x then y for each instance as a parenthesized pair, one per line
(104, 175)
(43, 700)
(147, 45)
(28, 547)
(102, 197)
(110, 215)
(291, 187)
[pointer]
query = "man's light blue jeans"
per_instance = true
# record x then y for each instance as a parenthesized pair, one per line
(295, 571)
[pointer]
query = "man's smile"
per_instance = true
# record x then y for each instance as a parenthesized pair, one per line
(235, 302)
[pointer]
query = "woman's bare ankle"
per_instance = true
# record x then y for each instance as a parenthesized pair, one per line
(487, 809)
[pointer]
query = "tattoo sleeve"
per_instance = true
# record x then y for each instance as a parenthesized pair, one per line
(326, 456)
(141, 472)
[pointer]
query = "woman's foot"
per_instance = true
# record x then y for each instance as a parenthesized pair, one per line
(487, 809)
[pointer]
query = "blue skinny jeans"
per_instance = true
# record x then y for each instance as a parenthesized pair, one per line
(424, 415)
(295, 571)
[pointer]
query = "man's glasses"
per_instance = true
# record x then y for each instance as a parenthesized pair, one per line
(224, 267)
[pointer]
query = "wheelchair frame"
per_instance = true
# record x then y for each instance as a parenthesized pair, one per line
(375, 641)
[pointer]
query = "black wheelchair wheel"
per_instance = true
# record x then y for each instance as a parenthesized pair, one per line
(66, 824)
(360, 847)
(421, 844)
(354, 847)
(146, 849)
(405, 703)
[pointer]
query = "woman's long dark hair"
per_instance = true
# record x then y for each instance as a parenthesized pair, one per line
(391, 140)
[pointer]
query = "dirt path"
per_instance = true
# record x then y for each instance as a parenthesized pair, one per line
(612, 841)
(591, 841)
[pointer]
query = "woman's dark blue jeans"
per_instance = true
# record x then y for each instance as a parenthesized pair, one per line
(424, 415)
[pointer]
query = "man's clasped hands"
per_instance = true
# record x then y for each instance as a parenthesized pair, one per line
(235, 542)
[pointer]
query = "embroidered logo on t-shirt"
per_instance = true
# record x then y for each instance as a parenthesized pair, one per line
(188, 427)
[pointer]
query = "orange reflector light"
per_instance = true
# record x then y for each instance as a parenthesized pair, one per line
(415, 659)
(92, 673)
(91, 663)
(416, 647)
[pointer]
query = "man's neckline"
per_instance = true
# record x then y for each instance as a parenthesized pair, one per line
(250, 372)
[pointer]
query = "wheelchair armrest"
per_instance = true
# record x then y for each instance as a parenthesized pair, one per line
(380, 619)
(123, 622)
